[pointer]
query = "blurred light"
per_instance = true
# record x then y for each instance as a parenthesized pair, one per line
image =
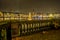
(50, 15)
(30, 16)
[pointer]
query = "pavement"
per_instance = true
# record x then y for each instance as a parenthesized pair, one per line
(44, 35)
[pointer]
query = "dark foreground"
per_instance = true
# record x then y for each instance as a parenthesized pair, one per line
(45, 35)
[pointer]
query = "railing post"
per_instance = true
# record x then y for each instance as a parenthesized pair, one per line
(27, 28)
(20, 28)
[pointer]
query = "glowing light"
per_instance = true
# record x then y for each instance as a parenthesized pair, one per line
(29, 16)
(50, 15)
(1, 13)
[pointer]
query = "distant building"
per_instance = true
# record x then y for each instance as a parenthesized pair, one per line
(1, 16)
(27, 16)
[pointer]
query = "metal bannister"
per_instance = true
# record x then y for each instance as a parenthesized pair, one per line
(24, 28)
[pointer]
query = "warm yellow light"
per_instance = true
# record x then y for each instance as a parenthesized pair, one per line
(50, 15)
(1, 13)
(12, 15)
(29, 19)
(29, 16)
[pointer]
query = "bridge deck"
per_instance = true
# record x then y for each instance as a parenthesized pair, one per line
(47, 35)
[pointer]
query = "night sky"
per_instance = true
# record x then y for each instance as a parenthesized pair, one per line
(45, 6)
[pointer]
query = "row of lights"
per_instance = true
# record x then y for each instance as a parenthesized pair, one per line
(29, 15)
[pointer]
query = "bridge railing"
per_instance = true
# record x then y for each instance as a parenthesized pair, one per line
(28, 27)
(21, 28)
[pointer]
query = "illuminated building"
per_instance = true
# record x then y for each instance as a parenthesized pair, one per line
(30, 16)
(1, 16)
(27, 16)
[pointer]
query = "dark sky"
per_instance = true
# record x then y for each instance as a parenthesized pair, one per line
(29, 5)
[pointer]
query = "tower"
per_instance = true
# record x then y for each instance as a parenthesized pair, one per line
(30, 16)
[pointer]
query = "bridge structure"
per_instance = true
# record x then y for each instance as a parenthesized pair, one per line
(14, 28)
